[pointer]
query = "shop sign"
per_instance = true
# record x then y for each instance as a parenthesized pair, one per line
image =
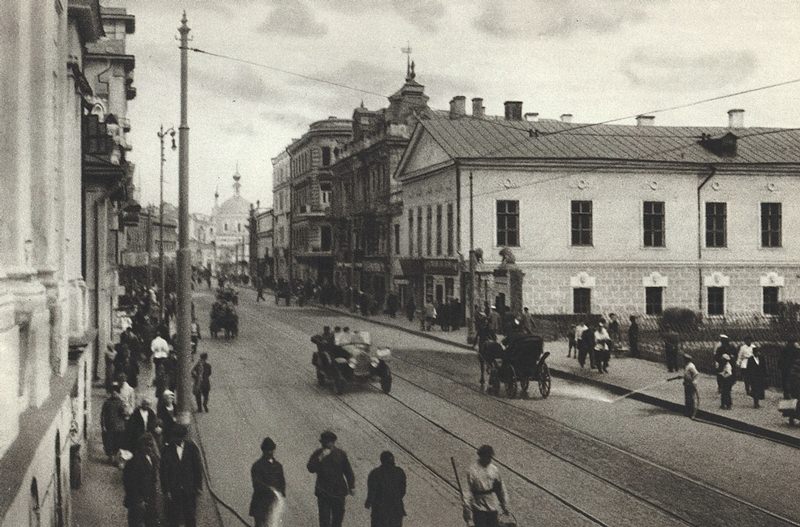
(441, 266)
(411, 266)
(373, 267)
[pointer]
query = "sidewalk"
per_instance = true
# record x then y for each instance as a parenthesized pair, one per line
(645, 378)
(99, 500)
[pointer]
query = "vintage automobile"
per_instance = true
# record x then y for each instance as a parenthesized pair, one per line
(223, 319)
(352, 359)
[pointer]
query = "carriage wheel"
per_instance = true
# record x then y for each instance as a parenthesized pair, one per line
(544, 381)
(494, 382)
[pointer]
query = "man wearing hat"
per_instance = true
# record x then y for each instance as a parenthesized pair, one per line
(485, 494)
(335, 480)
(267, 476)
(181, 479)
(690, 375)
(724, 348)
(386, 487)
(726, 374)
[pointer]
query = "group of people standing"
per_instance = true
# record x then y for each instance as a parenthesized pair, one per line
(484, 498)
(596, 341)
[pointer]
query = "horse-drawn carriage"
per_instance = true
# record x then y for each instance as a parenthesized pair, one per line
(351, 358)
(515, 365)
(224, 319)
(228, 294)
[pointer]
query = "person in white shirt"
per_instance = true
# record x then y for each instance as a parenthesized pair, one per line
(485, 494)
(602, 353)
(160, 353)
(690, 375)
(744, 355)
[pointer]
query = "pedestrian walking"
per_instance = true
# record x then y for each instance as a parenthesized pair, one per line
(139, 481)
(181, 479)
(159, 351)
(260, 290)
(527, 321)
(269, 486)
(756, 375)
(386, 487)
(201, 375)
(335, 480)
(789, 354)
(127, 394)
(485, 495)
(142, 420)
(742, 360)
(166, 415)
(411, 308)
(429, 317)
(690, 376)
(613, 328)
(602, 351)
(726, 374)
(112, 423)
(579, 329)
(724, 348)
(195, 335)
(572, 343)
(633, 337)
(586, 346)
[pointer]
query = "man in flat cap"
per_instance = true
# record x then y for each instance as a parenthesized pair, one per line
(335, 480)
(724, 348)
(268, 479)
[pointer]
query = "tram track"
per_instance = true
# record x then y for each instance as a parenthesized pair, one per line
(581, 433)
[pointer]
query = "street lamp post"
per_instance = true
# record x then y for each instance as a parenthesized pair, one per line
(184, 254)
(161, 134)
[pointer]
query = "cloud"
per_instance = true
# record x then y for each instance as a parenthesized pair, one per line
(240, 84)
(293, 18)
(545, 18)
(425, 14)
(238, 128)
(672, 70)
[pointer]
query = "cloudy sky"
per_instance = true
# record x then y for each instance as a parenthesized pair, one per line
(596, 59)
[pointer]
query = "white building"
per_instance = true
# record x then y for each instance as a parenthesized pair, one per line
(611, 218)
(230, 229)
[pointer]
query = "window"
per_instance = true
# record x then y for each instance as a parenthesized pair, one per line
(396, 238)
(428, 221)
(325, 193)
(716, 224)
(325, 237)
(449, 229)
(653, 218)
(581, 300)
(653, 300)
(225, 227)
(508, 223)
(438, 230)
(581, 223)
(428, 289)
(770, 299)
(326, 156)
(716, 300)
(410, 232)
(239, 227)
(770, 225)
(419, 231)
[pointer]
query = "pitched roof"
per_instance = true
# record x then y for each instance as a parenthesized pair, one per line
(470, 138)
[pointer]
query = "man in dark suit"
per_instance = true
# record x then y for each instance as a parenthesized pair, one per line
(142, 420)
(181, 479)
(268, 478)
(139, 481)
(335, 480)
(386, 487)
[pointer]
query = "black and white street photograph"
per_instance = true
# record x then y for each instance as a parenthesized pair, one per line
(386, 263)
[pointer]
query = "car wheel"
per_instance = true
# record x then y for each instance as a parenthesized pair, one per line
(338, 384)
(386, 380)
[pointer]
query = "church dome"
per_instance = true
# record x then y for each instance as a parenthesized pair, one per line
(236, 205)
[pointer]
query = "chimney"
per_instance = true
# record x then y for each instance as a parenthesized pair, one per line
(513, 110)
(736, 118)
(566, 117)
(531, 116)
(458, 107)
(645, 120)
(477, 108)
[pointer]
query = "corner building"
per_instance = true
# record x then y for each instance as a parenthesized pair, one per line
(608, 218)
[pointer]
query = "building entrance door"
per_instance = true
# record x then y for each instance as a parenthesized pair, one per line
(439, 294)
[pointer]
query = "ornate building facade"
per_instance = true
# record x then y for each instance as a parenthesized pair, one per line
(230, 234)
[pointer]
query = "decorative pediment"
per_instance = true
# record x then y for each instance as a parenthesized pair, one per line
(582, 279)
(772, 279)
(717, 279)
(655, 279)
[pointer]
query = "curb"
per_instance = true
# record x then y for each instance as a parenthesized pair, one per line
(702, 415)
